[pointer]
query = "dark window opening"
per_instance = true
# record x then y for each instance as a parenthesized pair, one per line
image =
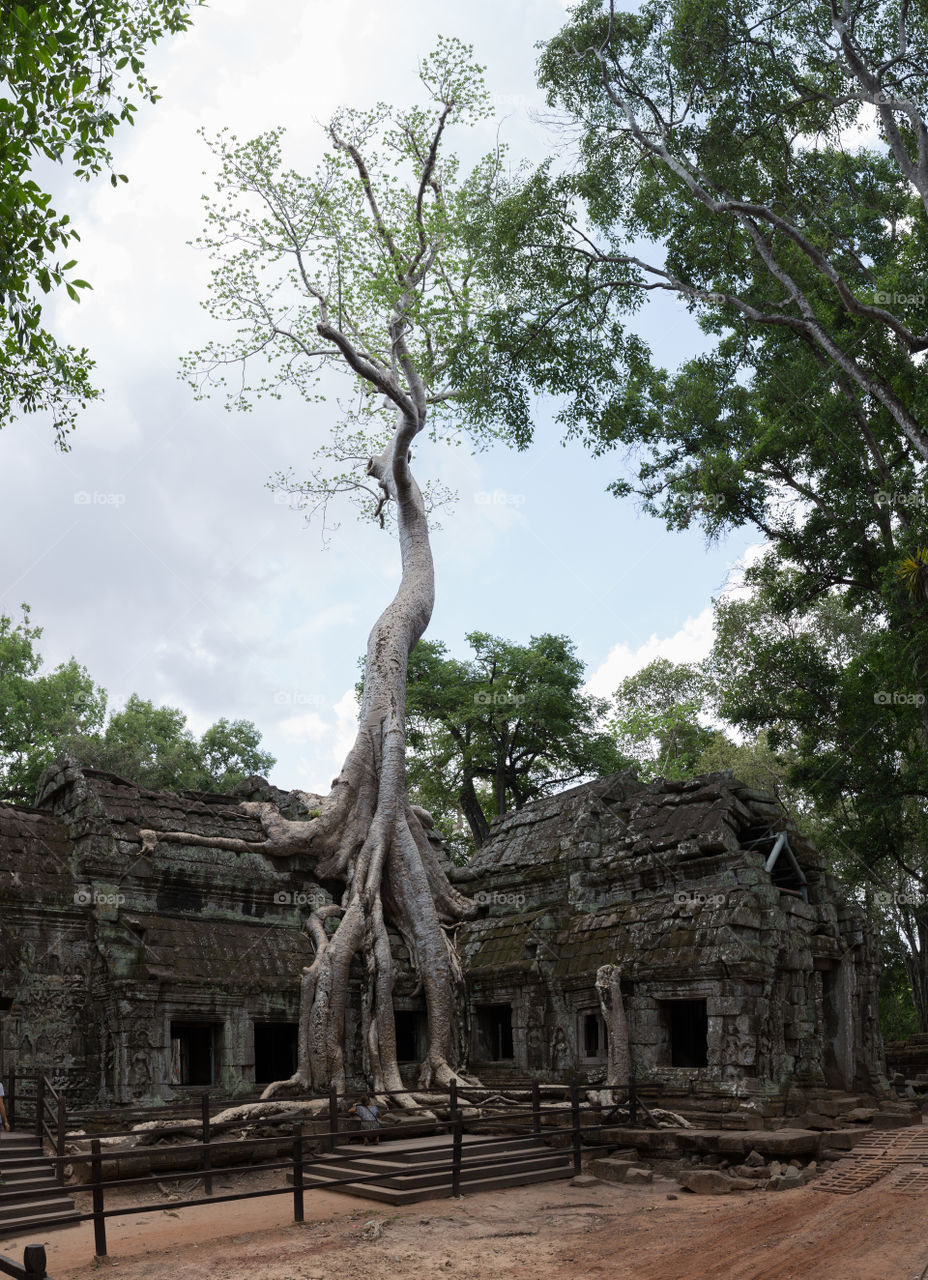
(275, 1051)
(593, 1037)
(411, 1030)
(193, 1052)
(687, 1027)
(494, 1032)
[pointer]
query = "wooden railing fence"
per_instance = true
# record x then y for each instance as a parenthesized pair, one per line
(50, 1122)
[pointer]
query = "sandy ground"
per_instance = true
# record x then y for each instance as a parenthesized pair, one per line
(544, 1231)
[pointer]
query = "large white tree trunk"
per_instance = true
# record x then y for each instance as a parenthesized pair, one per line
(369, 837)
(375, 843)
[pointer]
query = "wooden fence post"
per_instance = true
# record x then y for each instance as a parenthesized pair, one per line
(632, 1104)
(575, 1122)
(11, 1099)
(536, 1108)
(39, 1105)
(298, 1173)
(453, 1097)
(99, 1222)
(35, 1261)
(457, 1143)
(333, 1117)
(59, 1138)
(207, 1154)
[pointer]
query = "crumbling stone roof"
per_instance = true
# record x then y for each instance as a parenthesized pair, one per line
(98, 802)
(181, 950)
(704, 815)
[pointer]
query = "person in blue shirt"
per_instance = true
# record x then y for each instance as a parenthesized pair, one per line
(369, 1114)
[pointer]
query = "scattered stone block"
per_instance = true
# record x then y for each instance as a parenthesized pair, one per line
(813, 1120)
(610, 1170)
(639, 1177)
(710, 1182)
(584, 1180)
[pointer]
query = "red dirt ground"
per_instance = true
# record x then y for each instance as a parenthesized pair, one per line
(544, 1231)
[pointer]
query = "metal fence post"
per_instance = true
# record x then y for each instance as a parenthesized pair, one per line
(298, 1173)
(575, 1123)
(536, 1108)
(99, 1222)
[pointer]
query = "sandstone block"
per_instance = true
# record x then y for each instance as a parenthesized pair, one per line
(710, 1182)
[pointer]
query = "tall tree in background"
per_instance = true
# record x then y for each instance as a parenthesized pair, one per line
(152, 746)
(767, 168)
(726, 137)
(70, 71)
(657, 720)
(38, 710)
(810, 679)
(44, 715)
(365, 266)
(505, 727)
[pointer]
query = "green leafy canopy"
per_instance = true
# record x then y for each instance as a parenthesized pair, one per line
(71, 71)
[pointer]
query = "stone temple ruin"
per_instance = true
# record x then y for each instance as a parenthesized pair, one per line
(132, 975)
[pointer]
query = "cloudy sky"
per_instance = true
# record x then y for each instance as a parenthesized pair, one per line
(153, 551)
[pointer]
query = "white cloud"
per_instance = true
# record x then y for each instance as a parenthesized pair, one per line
(690, 644)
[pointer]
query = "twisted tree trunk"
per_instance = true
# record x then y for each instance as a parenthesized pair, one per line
(368, 836)
(378, 846)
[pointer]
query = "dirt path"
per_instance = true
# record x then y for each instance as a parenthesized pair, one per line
(547, 1231)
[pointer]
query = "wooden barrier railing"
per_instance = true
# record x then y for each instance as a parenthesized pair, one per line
(296, 1163)
(32, 1266)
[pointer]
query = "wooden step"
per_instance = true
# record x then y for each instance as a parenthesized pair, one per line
(35, 1210)
(30, 1195)
(44, 1221)
(433, 1148)
(28, 1189)
(409, 1171)
(389, 1175)
(395, 1196)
